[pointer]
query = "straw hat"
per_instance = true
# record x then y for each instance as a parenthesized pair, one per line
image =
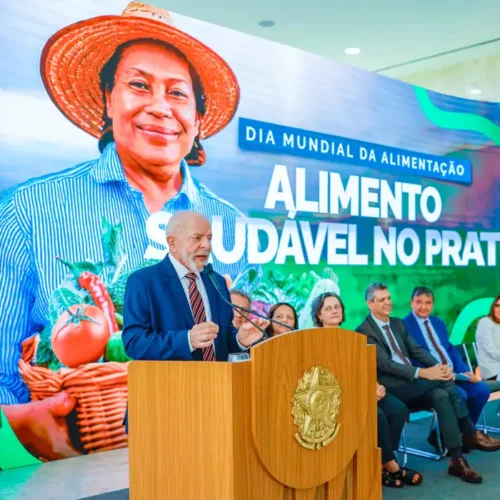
(74, 56)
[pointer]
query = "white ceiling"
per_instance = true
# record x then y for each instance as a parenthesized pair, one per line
(391, 33)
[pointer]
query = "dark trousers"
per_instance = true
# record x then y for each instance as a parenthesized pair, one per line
(392, 415)
(444, 398)
(475, 396)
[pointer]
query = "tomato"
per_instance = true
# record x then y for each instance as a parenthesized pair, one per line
(80, 335)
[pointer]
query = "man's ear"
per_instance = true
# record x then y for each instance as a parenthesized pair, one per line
(170, 242)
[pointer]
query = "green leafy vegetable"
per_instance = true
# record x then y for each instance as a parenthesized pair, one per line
(61, 299)
(246, 279)
(69, 292)
(91, 267)
(44, 354)
(112, 246)
(79, 267)
(117, 289)
(274, 286)
(328, 274)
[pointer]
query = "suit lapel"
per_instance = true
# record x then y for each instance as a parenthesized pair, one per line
(417, 331)
(399, 338)
(438, 332)
(214, 301)
(175, 291)
(377, 333)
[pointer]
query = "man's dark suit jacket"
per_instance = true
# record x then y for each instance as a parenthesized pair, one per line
(442, 332)
(389, 373)
(157, 316)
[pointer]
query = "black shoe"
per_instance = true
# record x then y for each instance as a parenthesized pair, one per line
(464, 471)
(481, 441)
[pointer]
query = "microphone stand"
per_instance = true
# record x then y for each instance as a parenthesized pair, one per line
(219, 291)
(210, 272)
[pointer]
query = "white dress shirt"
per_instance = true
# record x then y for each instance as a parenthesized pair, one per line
(394, 355)
(182, 272)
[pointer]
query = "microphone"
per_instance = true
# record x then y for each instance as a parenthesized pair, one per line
(210, 274)
(210, 271)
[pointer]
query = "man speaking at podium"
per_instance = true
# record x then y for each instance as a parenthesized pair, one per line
(174, 310)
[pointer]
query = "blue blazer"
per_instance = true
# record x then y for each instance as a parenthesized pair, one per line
(157, 316)
(442, 332)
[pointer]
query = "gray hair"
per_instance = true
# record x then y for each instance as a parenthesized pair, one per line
(240, 293)
(371, 289)
(180, 221)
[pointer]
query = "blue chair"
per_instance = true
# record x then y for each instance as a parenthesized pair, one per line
(416, 412)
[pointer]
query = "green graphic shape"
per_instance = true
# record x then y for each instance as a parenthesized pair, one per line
(475, 310)
(457, 121)
(12, 452)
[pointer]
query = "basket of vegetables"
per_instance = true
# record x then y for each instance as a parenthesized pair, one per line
(81, 351)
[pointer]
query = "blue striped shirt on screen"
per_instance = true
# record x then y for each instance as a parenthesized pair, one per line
(60, 215)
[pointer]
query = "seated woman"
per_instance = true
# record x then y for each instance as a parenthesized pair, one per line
(488, 343)
(328, 311)
(284, 313)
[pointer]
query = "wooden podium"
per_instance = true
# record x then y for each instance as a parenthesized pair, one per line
(297, 421)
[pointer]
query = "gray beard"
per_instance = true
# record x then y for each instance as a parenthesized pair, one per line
(191, 263)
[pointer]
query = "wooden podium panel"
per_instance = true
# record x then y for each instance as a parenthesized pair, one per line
(220, 431)
(285, 359)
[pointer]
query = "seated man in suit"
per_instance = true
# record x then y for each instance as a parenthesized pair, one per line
(173, 311)
(430, 386)
(431, 333)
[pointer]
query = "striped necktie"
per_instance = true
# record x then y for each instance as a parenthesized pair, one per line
(199, 313)
(434, 343)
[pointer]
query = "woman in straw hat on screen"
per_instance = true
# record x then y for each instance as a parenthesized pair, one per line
(150, 88)
(149, 93)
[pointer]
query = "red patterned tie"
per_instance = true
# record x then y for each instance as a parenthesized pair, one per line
(394, 345)
(199, 313)
(434, 343)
